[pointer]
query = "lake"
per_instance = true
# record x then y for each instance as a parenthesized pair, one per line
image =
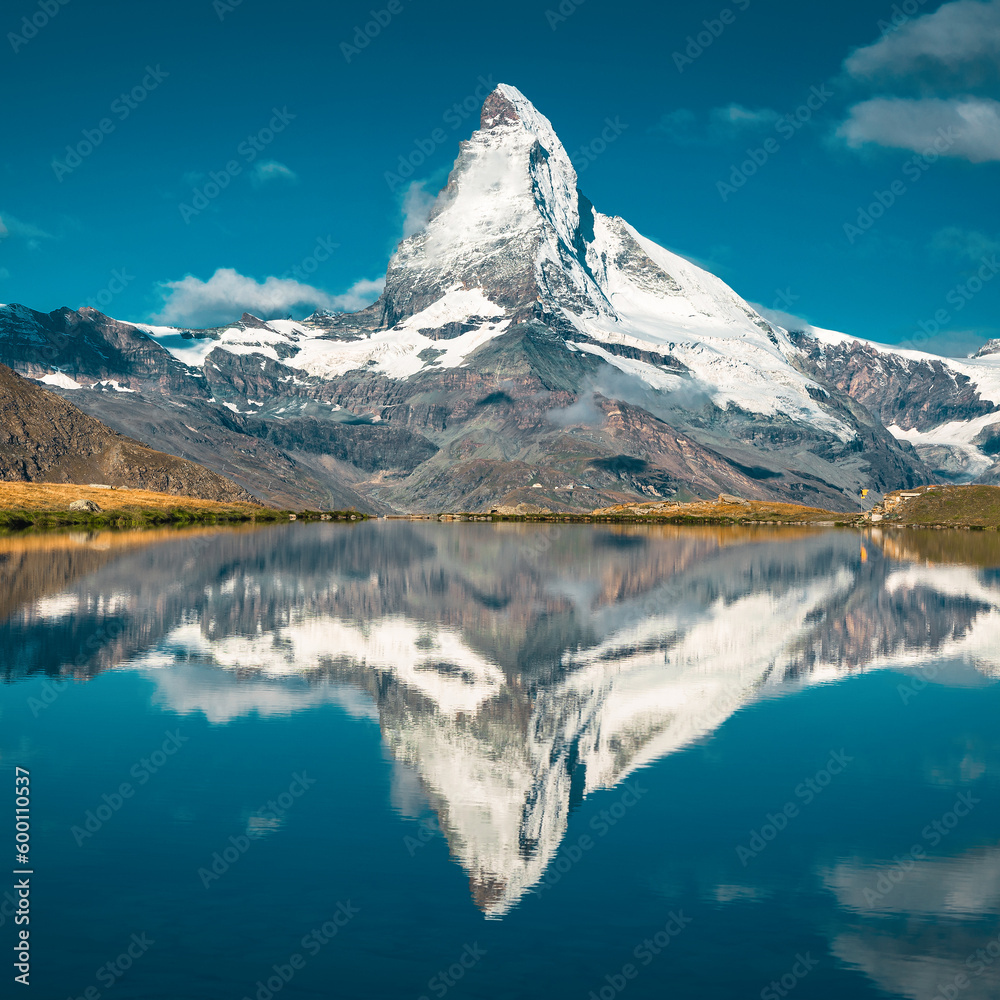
(410, 759)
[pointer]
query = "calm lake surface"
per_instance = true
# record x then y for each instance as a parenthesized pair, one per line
(410, 759)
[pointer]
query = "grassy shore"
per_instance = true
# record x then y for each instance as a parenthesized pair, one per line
(969, 507)
(943, 507)
(46, 505)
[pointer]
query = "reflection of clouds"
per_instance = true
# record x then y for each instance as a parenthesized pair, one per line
(967, 765)
(917, 962)
(966, 886)
(259, 827)
(221, 697)
(732, 893)
(434, 661)
(924, 931)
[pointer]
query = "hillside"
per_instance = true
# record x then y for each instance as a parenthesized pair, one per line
(43, 438)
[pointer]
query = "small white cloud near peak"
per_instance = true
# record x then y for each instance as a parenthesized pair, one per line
(11, 226)
(417, 204)
(739, 117)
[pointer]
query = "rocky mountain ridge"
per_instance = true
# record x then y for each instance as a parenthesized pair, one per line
(523, 341)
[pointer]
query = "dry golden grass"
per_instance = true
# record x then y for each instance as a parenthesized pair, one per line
(58, 497)
(754, 510)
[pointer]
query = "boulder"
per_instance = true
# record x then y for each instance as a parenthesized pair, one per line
(87, 505)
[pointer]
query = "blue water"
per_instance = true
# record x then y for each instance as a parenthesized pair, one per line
(518, 754)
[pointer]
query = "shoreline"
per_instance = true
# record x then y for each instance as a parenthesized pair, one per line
(50, 506)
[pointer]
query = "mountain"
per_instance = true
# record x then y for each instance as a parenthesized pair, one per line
(948, 409)
(526, 347)
(45, 439)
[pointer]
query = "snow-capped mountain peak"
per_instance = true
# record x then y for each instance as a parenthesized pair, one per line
(510, 205)
(519, 328)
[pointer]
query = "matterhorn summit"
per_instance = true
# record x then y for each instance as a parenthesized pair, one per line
(507, 222)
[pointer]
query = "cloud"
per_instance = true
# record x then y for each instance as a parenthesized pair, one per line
(968, 127)
(686, 128)
(191, 302)
(417, 205)
(10, 226)
(272, 170)
(943, 72)
(612, 383)
(956, 46)
(736, 118)
(965, 244)
(677, 125)
(789, 321)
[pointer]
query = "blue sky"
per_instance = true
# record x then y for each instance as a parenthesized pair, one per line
(247, 153)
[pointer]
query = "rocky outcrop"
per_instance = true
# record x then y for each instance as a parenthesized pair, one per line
(909, 393)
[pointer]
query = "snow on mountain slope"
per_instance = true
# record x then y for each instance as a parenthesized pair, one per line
(733, 354)
(947, 408)
(511, 216)
(400, 352)
(983, 371)
(511, 236)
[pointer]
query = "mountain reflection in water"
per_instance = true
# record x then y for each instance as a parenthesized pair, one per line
(513, 669)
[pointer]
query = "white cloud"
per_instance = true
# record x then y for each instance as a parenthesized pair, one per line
(417, 204)
(965, 244)
(720, 125)
(676, 124)
(966, 127)
(10, 226)
(958, 43)
(779, 317)
(271, 170)
(191, 302)
(944, 70)
(735, 117)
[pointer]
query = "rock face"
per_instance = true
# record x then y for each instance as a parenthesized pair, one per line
(948, 409)
(45, 439)
(522, 337)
